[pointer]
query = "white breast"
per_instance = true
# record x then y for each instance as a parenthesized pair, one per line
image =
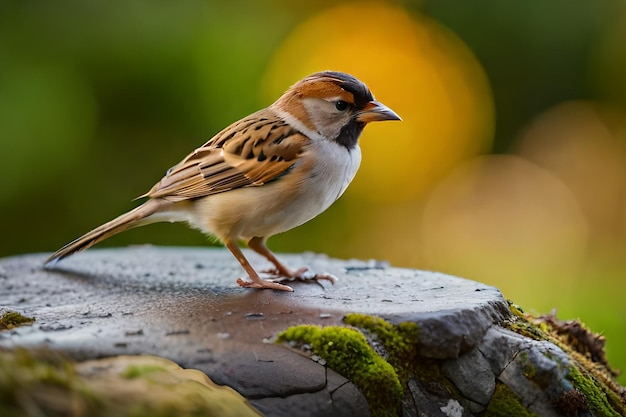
(334, 170)
(334, 167)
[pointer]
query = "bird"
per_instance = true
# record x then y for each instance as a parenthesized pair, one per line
(262, 175)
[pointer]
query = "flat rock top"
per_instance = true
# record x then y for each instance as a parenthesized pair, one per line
(184, 304)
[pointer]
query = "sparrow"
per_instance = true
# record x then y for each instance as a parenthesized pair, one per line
(263, 175)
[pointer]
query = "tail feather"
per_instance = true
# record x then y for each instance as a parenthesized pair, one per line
(139, 216)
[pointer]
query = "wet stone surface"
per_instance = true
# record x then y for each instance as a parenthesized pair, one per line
(183, 304)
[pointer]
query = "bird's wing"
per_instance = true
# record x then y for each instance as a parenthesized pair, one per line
(250, 152)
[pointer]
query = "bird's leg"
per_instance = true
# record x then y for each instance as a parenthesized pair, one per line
(256, 282)
(280, 271)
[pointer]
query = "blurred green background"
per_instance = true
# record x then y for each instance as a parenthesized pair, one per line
(509, 167)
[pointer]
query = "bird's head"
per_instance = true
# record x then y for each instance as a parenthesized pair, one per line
(333, 105)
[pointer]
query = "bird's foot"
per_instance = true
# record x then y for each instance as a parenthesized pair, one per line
(262, 284)
(302, 274)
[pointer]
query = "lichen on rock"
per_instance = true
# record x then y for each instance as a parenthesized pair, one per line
(593, 387)
(519, 368)
(378, 357)
(504, 403)
(11, 319)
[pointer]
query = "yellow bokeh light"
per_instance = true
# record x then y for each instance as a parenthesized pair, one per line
(503, 220)
(582, 143)
(415, 66)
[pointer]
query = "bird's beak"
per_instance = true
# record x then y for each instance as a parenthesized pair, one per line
(375, 111)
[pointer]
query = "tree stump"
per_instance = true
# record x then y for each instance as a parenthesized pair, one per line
(381, 341)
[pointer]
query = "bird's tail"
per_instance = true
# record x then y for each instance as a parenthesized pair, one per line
(136, 217)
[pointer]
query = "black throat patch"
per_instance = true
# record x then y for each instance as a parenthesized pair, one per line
(349, 135)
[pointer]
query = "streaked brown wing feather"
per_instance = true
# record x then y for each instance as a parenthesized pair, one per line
(250, 152)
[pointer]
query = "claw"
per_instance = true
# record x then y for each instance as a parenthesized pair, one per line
(327, 277)
(270, 284)
(302, 274)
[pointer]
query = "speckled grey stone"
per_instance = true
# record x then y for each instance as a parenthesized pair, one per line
(534, 370)
(472, 375)
(111, 294)
(421, 402)
(338, 398)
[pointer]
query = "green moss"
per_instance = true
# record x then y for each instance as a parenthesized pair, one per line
(515, 309)
(528, 368)
(379, 374)
(592, 379)
(601, 401)
(12, 319)
(46, 382)
(347, 352)
(504, 403)
(43, 383)
(523, 327)
(400, 341)
(137, 371)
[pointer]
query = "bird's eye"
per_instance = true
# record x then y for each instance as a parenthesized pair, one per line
(341, 105)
